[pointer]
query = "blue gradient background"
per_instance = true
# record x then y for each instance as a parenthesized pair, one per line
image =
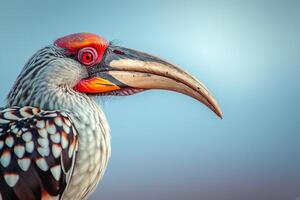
(166, 145)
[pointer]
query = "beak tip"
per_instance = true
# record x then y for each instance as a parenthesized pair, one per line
(218, 112)
(220, 115)
(216, 109)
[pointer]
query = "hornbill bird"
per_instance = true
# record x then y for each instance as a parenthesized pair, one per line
(54, 137)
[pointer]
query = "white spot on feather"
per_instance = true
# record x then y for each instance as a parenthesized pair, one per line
(4, 121)
(5, 158)
(43, 151)
(9, 141)
(13, 127)
(66, 128)
(56, 172)
(51, 128)
(43, 132)
(55, 138)
(42, 164)
(19, 150)
(29, 146)
(56, 150)
(58, 121)
(10, 116)
(27, 137)
(24, 163)
(11, 179)
(44, 142)
(15, 130)
(71, 149)
(24, 113)
(40, 124)
(64, 141)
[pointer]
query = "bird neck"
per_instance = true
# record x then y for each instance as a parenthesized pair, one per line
(85, 112)
(54, 97)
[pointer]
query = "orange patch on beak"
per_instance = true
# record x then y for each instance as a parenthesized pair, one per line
(95, 85)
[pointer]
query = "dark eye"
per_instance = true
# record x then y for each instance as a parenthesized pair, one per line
(87, 56)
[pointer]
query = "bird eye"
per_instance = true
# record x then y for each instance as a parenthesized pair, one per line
(87, 56)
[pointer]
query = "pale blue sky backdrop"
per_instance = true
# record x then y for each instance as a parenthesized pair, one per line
(166, 145)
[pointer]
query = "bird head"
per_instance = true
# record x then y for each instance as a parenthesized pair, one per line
(85, 63)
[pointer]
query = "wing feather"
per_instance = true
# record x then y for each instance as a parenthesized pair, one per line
(37, 153)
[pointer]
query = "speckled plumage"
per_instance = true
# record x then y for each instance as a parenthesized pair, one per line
(45, 84)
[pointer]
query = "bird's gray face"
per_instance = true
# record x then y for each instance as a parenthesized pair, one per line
(88, 64)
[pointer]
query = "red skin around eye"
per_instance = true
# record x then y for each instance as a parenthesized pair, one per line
(87, 56)
(77, 41)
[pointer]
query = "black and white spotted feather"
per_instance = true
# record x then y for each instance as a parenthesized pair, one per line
(37, 153)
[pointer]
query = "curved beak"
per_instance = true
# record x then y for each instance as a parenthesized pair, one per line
(125, 71)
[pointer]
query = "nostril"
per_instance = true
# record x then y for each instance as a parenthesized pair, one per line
(118, 52)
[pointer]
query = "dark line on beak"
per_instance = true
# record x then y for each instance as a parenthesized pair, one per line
(110, 78)
(105, 84)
